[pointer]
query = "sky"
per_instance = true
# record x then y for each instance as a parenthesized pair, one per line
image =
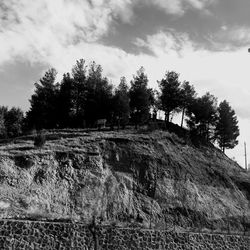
(205, 41)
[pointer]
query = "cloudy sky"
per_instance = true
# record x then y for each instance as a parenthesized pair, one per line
(206, 41)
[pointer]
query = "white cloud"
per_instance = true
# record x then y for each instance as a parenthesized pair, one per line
(37, 29)
(166, 42)
(179, 7)
(228, 38)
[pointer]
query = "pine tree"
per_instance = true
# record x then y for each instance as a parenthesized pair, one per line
(121, 103)
(170, 95)
(203, 116)
(79, 75)
(140, 98)
(227, 129)
(188, 95)
(43, 112)
(66, 102)
(98, 95)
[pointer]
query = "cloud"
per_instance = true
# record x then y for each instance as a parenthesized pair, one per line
(179, 7)
(166, 42)
(58, 32)
(230, 38)
(36, 29)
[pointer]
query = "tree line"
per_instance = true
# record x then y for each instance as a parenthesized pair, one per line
(84, 95)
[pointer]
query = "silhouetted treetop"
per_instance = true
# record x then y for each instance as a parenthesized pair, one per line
(227, 129)
(203, 115)
(44, 101)
(85, 96)
(170, 95)
(188, 96)
(141, 97)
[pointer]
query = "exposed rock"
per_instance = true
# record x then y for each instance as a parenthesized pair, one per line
(154, 179)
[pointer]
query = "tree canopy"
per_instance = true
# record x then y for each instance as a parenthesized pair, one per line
(44, 102)
(121, 103)
(85, 96)
(11, 122)
(140, 97)
(203, 115)
(227, 129)
(170, 95)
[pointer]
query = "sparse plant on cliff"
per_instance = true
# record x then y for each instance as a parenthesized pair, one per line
(40, 140)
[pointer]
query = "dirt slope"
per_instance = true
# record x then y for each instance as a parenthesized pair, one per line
(154, 179)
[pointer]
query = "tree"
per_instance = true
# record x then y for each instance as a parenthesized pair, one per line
(203, 116)
(43, 112)
(170, 95)
(79, 74)
(14, 122)
(98, 95)
(227, 129)
(121, 103)
(156, 104)
(66, 101)
(3, 130)
(140, 98)
(188, 95)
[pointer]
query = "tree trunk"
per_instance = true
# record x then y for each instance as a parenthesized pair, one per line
(167, 114)
(182, 117)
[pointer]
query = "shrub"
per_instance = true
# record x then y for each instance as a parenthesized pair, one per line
(39, 140)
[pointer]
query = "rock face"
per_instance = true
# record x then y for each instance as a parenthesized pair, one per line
(152, 180)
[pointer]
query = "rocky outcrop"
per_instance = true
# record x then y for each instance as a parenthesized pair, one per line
(152, 180)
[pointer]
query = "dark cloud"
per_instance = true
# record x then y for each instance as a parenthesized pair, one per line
(204, 28)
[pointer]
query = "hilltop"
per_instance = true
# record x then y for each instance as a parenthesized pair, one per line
(132, 178)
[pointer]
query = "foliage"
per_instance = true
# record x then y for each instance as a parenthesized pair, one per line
(203, 116)
(40, 140)
(65, 99)
(79, 77)
(120, 104)
(42, 113)
(141, 98)
(3, 130)
(170, 96)
(188, 96)
(85, 96)
(227, 129)
(11, 122)
(14, 122)
(98, 95)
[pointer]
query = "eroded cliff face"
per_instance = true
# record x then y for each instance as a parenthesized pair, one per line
(154, 179)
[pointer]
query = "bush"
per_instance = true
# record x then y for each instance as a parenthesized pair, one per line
(39, 140)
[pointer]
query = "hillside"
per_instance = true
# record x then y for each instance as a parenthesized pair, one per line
(149, 179)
